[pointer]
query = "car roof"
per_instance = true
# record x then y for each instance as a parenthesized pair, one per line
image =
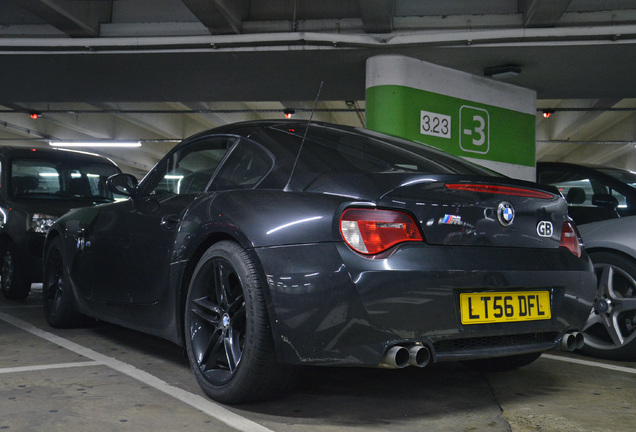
(244, 128)
(55, 154)
(579, 165)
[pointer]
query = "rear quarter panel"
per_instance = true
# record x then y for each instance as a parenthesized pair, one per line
(258, 218)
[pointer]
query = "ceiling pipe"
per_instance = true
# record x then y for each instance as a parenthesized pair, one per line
(578, 142)
(256, 42)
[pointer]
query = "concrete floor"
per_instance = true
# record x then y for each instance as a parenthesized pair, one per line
(106, 378)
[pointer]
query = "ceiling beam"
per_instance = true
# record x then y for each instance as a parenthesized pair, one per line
(567, 125)
(542, 13)
(75, 18)
(220, 16)
(377, 15)
(163, 125)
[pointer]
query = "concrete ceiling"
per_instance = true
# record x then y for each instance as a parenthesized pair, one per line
(161, 70)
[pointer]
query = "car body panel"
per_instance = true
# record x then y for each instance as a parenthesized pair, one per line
(617, 234)
(347, 302)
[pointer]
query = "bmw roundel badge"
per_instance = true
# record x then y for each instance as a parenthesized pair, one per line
(505, 213)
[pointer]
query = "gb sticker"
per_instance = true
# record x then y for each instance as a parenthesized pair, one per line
(545, 229)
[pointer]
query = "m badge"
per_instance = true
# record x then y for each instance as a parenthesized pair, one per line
(545, 229)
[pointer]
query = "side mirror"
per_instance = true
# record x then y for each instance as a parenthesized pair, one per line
(123, 184)
(605, 200)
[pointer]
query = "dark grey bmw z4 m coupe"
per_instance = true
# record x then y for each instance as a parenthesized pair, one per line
(264, 246)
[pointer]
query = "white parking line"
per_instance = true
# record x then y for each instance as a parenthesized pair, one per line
(207, 406)
(590, 363)
(49, 366)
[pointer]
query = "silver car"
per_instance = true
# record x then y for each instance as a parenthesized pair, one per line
(602, 202)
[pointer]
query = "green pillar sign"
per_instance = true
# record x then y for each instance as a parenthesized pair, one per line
(484, 121)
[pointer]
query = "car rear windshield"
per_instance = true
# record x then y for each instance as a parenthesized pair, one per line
(332, 150)
(75, 180)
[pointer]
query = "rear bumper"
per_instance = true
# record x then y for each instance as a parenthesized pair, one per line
(329, 305)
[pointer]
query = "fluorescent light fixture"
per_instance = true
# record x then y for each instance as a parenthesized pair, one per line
(502, 72)
(95, 143)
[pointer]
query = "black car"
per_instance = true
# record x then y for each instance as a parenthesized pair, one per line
(262, 246)
(602, 201)
(36, 187)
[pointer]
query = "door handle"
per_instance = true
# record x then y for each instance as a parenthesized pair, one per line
(168, 222)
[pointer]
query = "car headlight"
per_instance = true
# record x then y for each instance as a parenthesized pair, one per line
(41, 223)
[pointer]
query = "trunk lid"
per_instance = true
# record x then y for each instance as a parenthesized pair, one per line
(482, 211)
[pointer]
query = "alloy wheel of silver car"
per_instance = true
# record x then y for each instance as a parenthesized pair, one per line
(610, 331)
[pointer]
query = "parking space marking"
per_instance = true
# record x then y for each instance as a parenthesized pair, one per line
(50, 366)
(590, 363)
(215, 410)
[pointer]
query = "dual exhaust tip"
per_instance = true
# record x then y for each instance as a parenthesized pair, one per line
(572, 341)
(400, 356)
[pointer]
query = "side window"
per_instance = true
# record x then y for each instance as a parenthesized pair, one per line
(622, 200)
(577, 189)
(189, 170)
(588, 198)
(580, 190)
(245, 167)
(30, 177)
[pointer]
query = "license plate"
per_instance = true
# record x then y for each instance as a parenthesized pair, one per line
(496, 307)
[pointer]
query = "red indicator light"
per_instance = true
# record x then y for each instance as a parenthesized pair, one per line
(500, 190)
(34, 115)
(371, 231)
(570, 239)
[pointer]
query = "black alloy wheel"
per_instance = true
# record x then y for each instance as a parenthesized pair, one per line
(59, 307)
(610, 331)
(14, 283)
(228, 338)
(218, 324)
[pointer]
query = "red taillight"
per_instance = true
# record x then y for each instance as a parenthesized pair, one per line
(570, 239)
(500, 190)
(371, 231)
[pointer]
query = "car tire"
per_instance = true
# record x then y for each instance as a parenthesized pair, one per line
(59, 305)
(610, 331)
(499, 364)
(15, 282)
(227, 334)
